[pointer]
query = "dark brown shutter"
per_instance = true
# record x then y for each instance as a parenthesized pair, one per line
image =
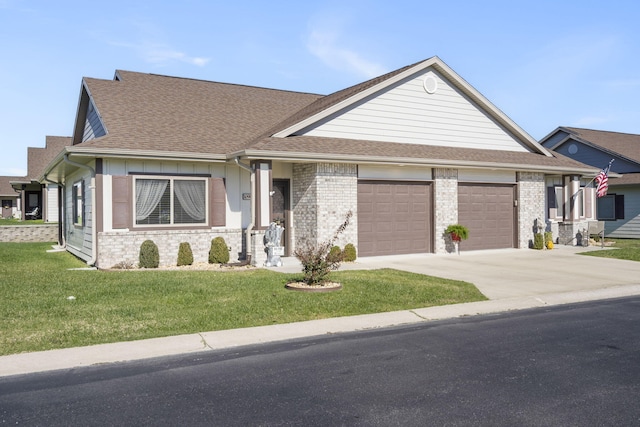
(551, 202)
(619, 206)
(218, 202)
(122, 201)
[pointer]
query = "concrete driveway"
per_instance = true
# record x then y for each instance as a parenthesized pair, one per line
(509, 273)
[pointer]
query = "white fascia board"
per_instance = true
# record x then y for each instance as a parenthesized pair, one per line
(145, 154)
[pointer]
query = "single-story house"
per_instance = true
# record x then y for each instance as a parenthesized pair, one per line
(408, 153)
(620, 208)
(9, 198)
(38, 199)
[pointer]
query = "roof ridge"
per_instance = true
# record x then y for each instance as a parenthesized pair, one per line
(601, 131)
(215, 82)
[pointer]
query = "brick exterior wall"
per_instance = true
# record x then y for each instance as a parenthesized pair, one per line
(323, 193)
(574, 233)
(29, 233)
(531, 205)
(115, 247)
(445, 200)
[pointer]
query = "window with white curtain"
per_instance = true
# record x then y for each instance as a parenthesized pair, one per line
(170, 201)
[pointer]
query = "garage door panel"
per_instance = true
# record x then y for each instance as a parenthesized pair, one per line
(397, 220)
(487, 210)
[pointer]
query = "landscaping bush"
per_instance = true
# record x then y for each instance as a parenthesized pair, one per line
(219, 252)
(335, 254)
(149, 255)
(349, 253)
(538, 241)
(185, 255)
(316, 260)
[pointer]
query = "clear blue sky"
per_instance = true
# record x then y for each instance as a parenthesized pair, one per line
(544, 63)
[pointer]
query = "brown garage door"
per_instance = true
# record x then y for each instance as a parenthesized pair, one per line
(488, 211)
(394, 218)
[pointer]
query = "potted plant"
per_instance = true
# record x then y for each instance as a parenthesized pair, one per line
(457, 232)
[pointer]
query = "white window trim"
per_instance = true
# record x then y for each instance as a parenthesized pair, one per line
(171, 179)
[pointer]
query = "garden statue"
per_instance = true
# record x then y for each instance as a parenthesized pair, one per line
(272, 238)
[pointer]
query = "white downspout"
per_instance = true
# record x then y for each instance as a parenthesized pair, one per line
(252, 173)
(92, 186)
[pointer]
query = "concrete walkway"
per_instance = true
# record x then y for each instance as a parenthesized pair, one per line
(512, 279)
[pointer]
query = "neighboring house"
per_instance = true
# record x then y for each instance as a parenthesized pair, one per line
(410, 152)
(36, 197)
(620, 208)
(9, 198)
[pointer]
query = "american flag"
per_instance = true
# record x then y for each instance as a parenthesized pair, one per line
(602, 179)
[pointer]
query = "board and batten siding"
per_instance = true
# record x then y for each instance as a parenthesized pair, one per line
(406, 113)
(629, 227)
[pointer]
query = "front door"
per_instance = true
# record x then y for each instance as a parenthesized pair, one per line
(280, 208)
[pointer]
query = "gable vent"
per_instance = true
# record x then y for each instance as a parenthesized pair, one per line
(430, 83)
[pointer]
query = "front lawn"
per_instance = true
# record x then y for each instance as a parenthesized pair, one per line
(14, 221)
(110, 306)
(628, 249)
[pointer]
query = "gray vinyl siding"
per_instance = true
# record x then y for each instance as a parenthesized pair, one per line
(406, 113)
(629, 227)
(596, 158)
(93, 127)
(554, 139)
(79, 238)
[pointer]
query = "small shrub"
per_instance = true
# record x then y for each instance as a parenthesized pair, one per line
(538, 241)
(185, 255)
(548, 237)
(124, 265)
(315, 259)
(335, 254)
(149, 255)
(349, 253)
(219, 252)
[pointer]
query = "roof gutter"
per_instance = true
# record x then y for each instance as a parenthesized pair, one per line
(92, 187)
(434, 163)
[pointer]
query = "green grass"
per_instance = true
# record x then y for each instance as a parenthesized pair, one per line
(13, 221)
(113, 306)
(628, 249)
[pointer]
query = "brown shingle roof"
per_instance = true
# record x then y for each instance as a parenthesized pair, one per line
(149, 112)
(626, 179)
(161, 113)
(5, 187)
(39, 158)
(625, 144)
(314, 146)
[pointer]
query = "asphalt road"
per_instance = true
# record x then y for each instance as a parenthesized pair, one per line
(574, 365)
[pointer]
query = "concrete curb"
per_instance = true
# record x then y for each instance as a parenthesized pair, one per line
(26, 363)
